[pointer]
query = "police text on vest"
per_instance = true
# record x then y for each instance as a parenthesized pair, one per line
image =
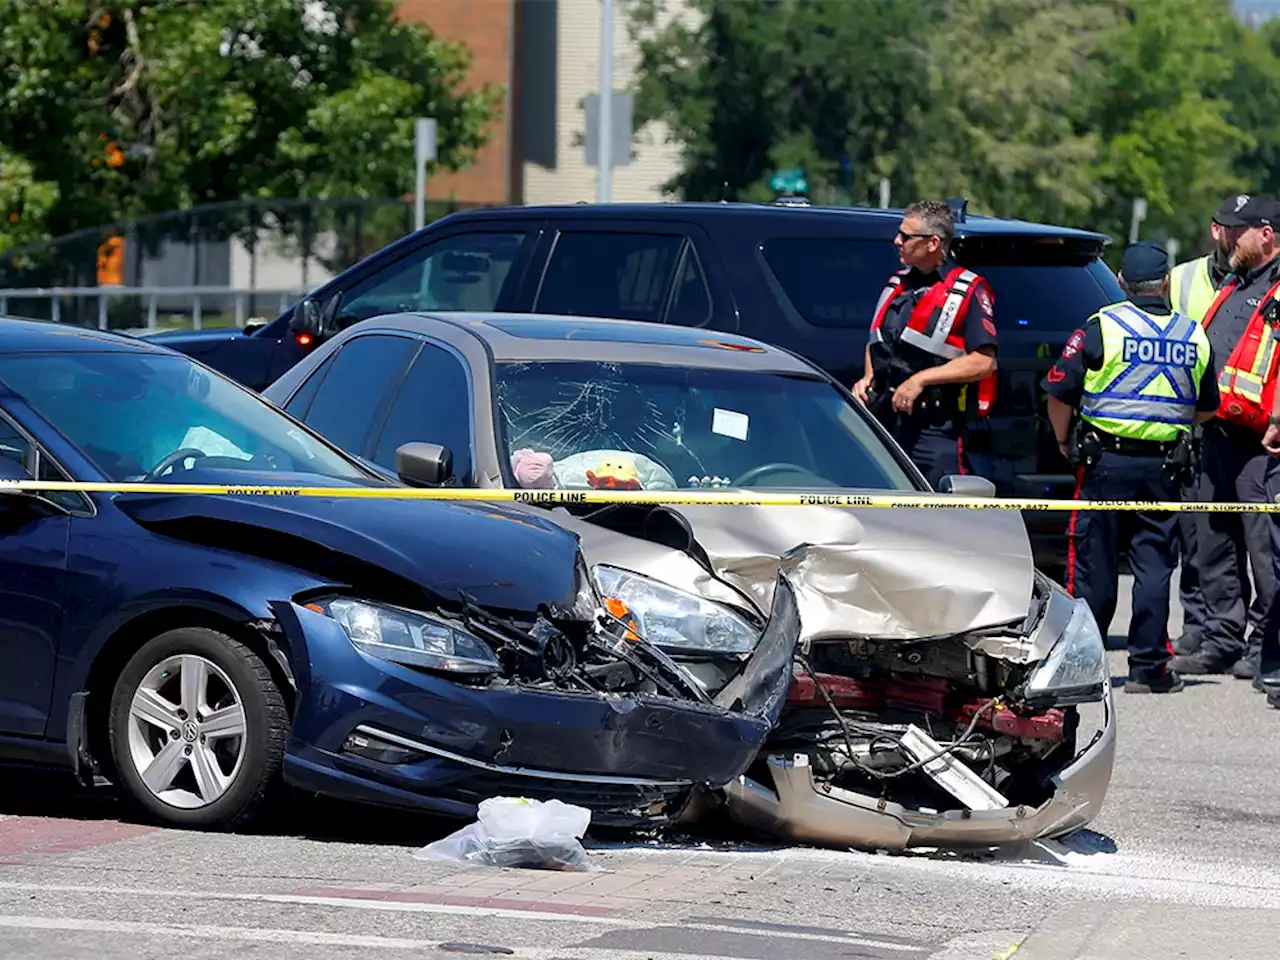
(1156, 350)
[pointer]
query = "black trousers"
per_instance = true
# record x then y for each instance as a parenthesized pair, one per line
(1228, 545)
(1093, 562)
(1269, 628)
(937, 451)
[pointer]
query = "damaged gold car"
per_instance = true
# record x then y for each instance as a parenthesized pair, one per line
(943, 693)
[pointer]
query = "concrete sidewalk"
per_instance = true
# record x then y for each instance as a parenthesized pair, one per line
(1146, 931)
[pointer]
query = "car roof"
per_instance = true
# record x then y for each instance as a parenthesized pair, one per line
(970, 225)
(517, 337)
(35, 336)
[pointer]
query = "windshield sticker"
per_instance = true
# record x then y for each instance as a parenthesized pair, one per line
(729, 423)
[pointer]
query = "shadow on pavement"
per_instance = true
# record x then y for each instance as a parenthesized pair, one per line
(36, 792)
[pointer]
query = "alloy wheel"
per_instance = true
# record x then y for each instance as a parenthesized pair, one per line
(187, 731)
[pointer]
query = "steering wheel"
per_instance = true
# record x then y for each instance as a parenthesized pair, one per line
(172, 460)
(755, 473)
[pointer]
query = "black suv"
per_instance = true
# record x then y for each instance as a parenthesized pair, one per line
(804, 278)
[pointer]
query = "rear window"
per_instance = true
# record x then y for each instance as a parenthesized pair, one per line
(835, 283)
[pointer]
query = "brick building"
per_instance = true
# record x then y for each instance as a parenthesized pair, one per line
(546, 53)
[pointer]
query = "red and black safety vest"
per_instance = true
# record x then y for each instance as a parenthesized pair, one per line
(932, 326)
(1247, 383)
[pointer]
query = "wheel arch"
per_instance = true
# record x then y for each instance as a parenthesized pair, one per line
(263, 637)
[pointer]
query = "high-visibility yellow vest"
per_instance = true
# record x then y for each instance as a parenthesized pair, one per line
(1150, 376)
(1191, 289)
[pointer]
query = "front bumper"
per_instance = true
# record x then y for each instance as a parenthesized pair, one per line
(800, 809)
(630, 758)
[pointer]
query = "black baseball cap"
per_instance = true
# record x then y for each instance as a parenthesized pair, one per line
(1244, 210)
(1144, 261)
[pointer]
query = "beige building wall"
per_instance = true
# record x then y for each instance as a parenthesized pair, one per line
(560, 66)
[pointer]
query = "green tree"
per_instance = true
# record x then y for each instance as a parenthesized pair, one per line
(749, 88)
(1005, 123)
(1165, 123)
(115, 108)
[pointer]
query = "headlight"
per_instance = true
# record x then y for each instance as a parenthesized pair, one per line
(413, 639)
(1075, 671)
(671, 618)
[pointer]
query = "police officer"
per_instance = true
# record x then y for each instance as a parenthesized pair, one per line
(1193, 285)
(931, 353)
(1137, 377)
(1233, 462)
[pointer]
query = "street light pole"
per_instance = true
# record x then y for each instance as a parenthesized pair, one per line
(604, 160)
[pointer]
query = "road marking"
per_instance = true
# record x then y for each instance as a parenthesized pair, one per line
(463, 911)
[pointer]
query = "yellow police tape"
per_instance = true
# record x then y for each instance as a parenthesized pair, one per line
(704, 497)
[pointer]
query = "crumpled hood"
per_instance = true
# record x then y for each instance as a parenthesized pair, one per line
(890, 574)
(504, 559)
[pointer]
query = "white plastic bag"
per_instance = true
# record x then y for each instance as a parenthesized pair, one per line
(517, 832)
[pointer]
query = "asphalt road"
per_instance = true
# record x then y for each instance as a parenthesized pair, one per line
(1183, 862)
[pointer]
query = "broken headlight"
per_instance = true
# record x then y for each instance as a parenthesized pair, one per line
(1075, 671)
(673, 619)
(409, 638)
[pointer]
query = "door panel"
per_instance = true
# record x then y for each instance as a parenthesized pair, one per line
(33, 563)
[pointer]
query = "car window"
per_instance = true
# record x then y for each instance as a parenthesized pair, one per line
(691, 305)
(622, 275)
(299, 404)
(13, 446)
(143, 417)
(831, 282)
(353, 396)
(1047, 298)
(432, 406)
(463, 272)
(835, 283)
(578, 424)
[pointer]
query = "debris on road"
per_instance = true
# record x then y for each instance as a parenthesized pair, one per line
(518, 832)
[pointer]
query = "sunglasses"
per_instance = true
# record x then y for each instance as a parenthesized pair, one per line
(904, 236)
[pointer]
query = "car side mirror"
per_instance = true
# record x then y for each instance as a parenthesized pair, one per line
(965, 485)
(424, 464)
(306, 320)
(253, 326)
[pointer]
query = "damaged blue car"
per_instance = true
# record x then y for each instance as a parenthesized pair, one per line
(200, 652)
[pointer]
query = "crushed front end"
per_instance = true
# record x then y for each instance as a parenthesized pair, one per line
(988, 738)
(439, 710)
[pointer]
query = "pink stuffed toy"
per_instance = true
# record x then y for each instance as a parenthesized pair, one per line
(533, 469)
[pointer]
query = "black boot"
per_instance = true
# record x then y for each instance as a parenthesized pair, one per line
(1203, 662)
(1168, 683)
(1246, 668)
(1187, 643)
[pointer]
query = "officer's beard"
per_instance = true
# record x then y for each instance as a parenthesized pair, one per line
(1243, 260)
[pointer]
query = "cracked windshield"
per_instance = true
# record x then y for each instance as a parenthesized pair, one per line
(580, 425)
(140, 418)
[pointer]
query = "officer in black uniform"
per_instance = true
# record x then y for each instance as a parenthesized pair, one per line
(1131, 443)
(933, 339)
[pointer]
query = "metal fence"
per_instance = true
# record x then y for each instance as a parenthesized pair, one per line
(215, 264)
(116, 308)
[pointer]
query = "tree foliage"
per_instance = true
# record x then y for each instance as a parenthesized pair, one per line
(1054, 110)
(115, 108)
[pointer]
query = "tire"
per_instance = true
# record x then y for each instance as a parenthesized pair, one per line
(213, 771)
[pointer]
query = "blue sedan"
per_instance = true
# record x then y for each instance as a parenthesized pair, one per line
(199, 651)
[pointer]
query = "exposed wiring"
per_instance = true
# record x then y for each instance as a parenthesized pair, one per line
(915, 765)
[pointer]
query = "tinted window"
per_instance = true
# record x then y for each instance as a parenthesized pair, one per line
(144, 417)
(623, 275)
(353, 397)
(434, 406)
(300, 405)
(1052, 298)
(835, 283)
(691, 305)
(13, 446)
(466, 272)
(830, 282)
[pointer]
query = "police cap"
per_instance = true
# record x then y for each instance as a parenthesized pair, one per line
(1144, 261)
(1248, 211)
